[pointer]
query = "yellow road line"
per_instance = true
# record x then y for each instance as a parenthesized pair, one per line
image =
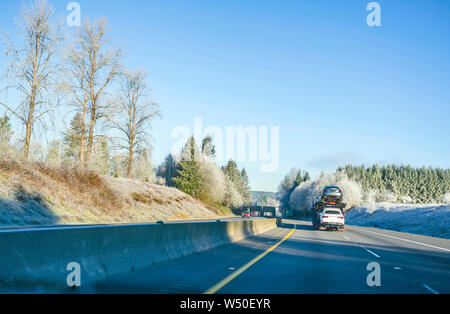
(230, 277)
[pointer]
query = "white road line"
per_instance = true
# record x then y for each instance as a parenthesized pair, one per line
(376, 255)
(370, 251)
(415, 242)
(430, 289)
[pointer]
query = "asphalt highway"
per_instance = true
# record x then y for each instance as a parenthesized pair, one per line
(296, 259)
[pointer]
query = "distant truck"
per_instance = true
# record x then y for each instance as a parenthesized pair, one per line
(329, 209)
(269, 211)
(261, 211)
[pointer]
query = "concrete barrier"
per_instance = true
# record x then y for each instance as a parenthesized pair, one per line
(36, 260)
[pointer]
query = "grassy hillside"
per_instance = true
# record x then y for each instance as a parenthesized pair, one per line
(37, 194)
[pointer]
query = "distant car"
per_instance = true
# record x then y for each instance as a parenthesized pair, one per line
(246, 213)
(332, 218)
(332, 194)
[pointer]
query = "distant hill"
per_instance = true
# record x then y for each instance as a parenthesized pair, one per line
(264, 198)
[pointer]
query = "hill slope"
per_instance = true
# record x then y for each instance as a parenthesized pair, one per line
(36, 194)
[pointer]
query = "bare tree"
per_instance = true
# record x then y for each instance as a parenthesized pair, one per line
(77, 85)
(134, 113)
(33, 68)
(102, 67)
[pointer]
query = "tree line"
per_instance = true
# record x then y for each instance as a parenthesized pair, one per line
(365, 185)
(288, 185)
(399, 183)
(195, 173)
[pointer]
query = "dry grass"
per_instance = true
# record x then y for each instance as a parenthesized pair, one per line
(33, 193)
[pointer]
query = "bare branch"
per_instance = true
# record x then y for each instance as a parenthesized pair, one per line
(32, 69)
(134, 114)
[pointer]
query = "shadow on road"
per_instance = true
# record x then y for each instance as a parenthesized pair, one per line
(303, 224)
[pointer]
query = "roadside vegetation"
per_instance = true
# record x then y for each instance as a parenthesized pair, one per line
(75, 135)
(33, 193)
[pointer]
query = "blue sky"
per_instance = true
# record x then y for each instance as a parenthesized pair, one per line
(340, 91)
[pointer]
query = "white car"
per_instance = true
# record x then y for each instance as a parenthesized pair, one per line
(332, 218)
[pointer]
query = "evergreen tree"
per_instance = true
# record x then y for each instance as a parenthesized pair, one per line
(240, 181)
(188, 177)
(418, 185)
(231, 170)
(168, 170)
(306, 177)
(72, 138)
(208, 147)
(246, 190)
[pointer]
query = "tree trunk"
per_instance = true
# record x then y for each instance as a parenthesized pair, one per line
(93, 114)
(26, 150)
(83, 137)
(130, 162)
(29, 127)
(91, 135)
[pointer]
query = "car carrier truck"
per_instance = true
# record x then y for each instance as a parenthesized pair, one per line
(329, 209)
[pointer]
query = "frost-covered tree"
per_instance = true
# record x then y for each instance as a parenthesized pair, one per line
(118, 166)
(133, 115)
(232, 197)
(102, 68)
(246, 190)
(240, 181)
(143, 168)
(76, 86)
(198, 175)
(99, 161)
(446, 198)
(55, 153)
(33, 71)
(37, 152)
(304, 196)
(232, 171)
(400, 183)
(5, 135)
(291, 180)
(213, 181)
